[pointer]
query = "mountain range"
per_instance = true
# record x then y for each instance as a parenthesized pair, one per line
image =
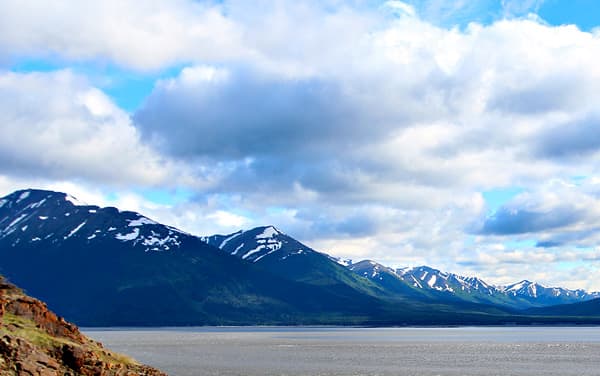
(104, 266)
(442, 285)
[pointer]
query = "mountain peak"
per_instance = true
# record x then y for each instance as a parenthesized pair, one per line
(371, 269)
(519, 285)
(265, 232)
(256, 244)
(45, 218)
(30, 196)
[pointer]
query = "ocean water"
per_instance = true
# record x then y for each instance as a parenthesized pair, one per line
(361, 351)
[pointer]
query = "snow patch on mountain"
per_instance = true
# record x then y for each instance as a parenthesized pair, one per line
(17, 220)
(344, 262)
(38, 204)
(23, 196)
(140, 222)
(75, 201)
(266, 254)
(127, 237)
(158, 243)
(237, 249)
(253, 251)
(74, 231)
(269, 232)
(226, 240)
(298, 252)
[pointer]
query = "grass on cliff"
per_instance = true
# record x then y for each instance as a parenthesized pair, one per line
(25, 328)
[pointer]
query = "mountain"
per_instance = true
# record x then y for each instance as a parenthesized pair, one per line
(269, 248)
(442, 286)
(105, 267)
(385, 277)
(272, 250)
(125, 269)
(281, 254)
(540, 295)
(590, 308)
(35, 341)
(257, 243)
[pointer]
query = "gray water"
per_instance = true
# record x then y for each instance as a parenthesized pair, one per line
(361, 351)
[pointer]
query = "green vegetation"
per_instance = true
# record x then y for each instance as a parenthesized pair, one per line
(28, 330)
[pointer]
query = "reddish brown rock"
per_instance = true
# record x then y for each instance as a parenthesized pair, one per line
(36, 342)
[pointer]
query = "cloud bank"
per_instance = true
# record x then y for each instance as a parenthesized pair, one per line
(369, 130)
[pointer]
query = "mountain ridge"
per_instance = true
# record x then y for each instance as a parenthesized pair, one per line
(123, 257)
(132, 270)
(522, 295)
(267, 241)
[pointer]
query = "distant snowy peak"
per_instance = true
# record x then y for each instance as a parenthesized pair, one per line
(257, 244)
(47, 218)
(421, 277)
(530, 289)
(33, 198)
(426, 277)
(372, 270)
(268, 232)
(342, 261)
(524, 287)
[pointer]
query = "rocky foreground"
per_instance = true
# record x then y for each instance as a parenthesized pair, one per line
(34, 341)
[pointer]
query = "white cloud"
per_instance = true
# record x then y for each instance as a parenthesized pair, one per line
(144, 35)
(441, 115)
(371, 134)
(55, 126)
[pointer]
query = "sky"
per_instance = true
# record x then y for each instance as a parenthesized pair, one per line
(463, 135)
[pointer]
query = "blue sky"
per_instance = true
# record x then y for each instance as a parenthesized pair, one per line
(583, 13)
(458, 134)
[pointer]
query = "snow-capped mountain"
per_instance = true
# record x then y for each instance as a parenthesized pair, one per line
(384, 276)
(520, 295)
(103, 266)
(535, 291)
(256, 244)
(280, 254)
(270, 247)
(45, 218)
(426, 277)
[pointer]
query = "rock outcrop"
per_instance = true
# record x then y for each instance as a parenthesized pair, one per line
(36, 342)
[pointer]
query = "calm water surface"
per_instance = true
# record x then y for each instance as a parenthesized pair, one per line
(361, 351)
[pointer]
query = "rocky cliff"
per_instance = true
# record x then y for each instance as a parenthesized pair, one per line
(34, 341)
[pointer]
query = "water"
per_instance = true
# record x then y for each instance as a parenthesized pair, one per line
(361, 351)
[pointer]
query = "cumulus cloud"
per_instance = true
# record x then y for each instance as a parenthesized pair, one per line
(147, 35)
(465, 112)
(572, 140)
(385, 157)
(235, 114)
(521, 221)
(557, 214)
(56, 126)
(366, 131)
